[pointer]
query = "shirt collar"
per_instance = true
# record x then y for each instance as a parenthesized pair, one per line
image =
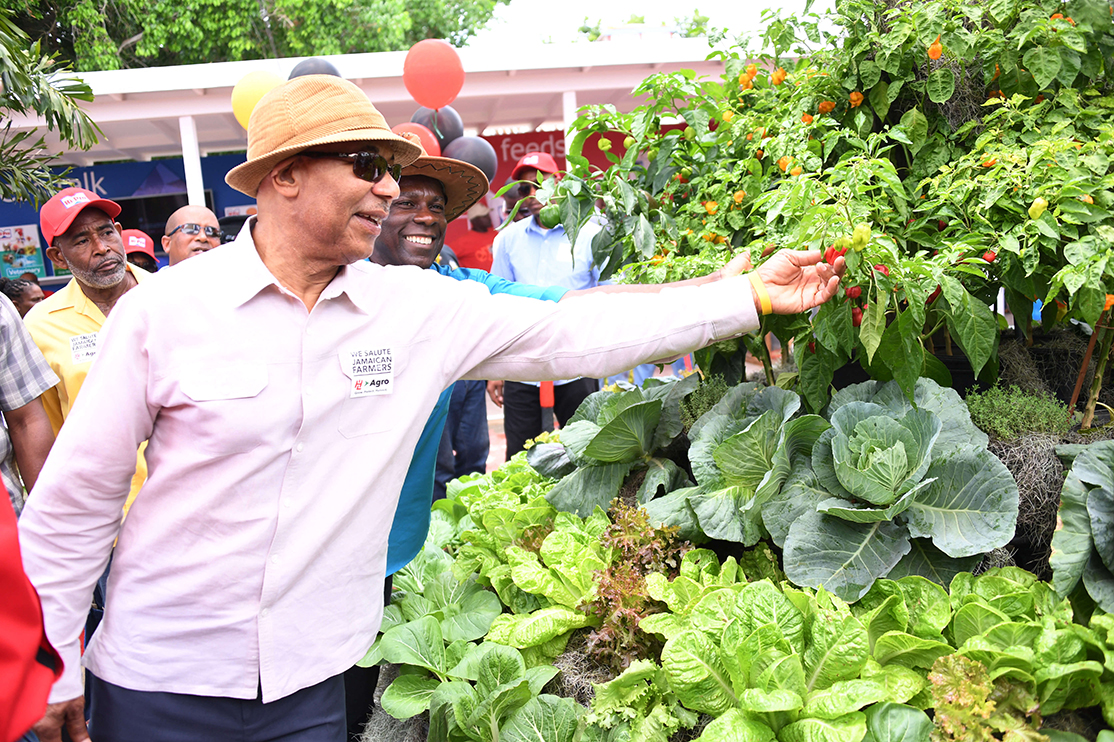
(73, 297)
(533, 226)
(252, 276)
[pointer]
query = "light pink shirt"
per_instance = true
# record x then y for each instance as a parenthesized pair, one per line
(255, 553)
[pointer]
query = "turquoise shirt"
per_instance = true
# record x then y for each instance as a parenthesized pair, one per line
(411, 524)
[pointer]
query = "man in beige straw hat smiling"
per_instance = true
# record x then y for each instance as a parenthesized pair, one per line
(282, 390)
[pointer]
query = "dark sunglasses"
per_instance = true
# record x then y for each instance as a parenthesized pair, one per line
(192, 229)
(523, 190)
(369, 166)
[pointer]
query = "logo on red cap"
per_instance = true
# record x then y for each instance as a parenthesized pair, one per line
(73, 200)
(134, 241)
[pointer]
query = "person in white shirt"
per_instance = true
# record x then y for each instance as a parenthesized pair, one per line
(282, 390)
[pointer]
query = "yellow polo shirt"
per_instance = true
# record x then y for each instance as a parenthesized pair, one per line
(65, 326)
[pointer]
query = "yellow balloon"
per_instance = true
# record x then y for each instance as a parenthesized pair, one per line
(249, 90)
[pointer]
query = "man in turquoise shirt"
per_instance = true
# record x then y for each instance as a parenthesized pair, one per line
(432, 192)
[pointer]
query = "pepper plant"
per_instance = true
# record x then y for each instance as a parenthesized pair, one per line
(961, 147)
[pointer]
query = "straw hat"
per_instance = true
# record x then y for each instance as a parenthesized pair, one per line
(306, 112)
(464, 183)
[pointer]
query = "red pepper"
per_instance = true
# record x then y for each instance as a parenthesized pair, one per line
(882, 269)
(829, 255)
(933, 295)
(854, 292)
(989, 256)
(856, 316)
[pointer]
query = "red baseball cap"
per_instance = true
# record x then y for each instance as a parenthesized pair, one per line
(136, 240)
(59, 212)
(539, 161)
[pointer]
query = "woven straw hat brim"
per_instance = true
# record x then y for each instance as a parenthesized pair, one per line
(464, 183)
(307, 112)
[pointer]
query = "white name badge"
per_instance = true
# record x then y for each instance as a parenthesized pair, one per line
(370, 371)
(83, 348)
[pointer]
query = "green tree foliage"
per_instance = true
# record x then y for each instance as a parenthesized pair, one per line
(33, 84)
(145, 33)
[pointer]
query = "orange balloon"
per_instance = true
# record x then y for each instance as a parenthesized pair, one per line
(433, 73)
(429, 142)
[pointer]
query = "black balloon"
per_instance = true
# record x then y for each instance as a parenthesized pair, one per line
(474, 151)
(445, 124)
(313, 67)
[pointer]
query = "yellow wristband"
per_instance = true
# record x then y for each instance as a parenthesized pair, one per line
(761, 293)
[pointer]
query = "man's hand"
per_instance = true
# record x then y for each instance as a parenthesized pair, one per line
(796, 280)
(739, 264)
(495, 391)
(68, 715)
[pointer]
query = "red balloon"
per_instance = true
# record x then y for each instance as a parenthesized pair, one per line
(432, 73)
(429, 142)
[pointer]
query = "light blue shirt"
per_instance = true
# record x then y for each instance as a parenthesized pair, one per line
(527, 253)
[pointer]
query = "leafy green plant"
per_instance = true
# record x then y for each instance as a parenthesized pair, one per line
(1008, 413)
(1083, 544)
(891, 486)
(638, 704)
(953, 148)
(969, 705)
(32, 83)
(611, 434)
(767, 663)
(710, 391)
(740, 453)
(505, 703)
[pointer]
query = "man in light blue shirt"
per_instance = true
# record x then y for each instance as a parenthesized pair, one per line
(528, 252)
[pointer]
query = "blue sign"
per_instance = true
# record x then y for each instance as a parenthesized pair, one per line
(147, 191)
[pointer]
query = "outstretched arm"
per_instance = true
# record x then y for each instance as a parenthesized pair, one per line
(738, 264)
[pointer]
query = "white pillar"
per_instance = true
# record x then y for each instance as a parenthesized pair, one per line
(191, 159)
(568, 104)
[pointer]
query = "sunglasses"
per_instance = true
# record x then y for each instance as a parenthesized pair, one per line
(369, 166)
(191, 229)
(523, 190)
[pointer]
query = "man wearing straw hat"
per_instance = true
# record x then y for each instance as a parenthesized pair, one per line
(282, 389)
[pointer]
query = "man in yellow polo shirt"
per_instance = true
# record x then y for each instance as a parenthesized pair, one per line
(81, 235)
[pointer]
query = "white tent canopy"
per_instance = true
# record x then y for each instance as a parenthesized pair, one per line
(187, 110)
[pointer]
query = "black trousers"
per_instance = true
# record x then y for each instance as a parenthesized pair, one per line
(359, 686)
(314, 714)
(522, 409)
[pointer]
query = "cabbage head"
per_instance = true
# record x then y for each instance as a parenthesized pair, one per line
(873, 454)
(892, 488)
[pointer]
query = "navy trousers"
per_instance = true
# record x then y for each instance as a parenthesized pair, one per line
(464, 442)
(314, 714)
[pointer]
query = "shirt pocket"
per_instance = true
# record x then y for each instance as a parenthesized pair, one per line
(224, 403)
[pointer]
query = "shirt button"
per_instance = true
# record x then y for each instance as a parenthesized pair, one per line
(274, 559)
(288, 502)
(265, 612)
(300, 447)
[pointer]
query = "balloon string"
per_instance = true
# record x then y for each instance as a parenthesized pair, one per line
(436, 131)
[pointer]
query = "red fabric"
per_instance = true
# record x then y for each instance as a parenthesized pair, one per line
(24, 680)
(546, 394)
(473, 249)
